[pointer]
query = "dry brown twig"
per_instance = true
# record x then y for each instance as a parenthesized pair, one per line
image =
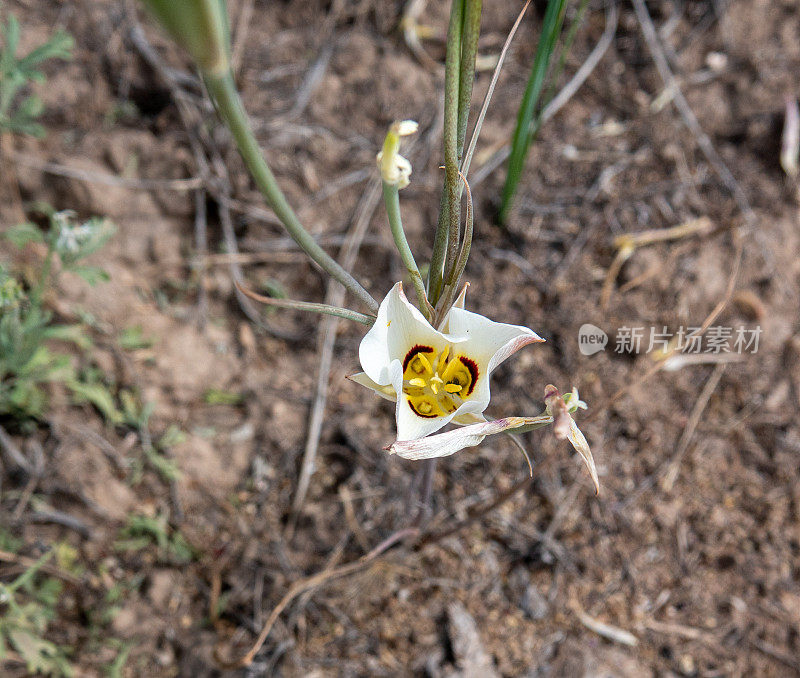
(413, 31)
(671, 473)
(13, 453)
(663, 358)
(180, 185)
(603, 629)
(25, 562)
(240, 36)
(306, 584)
(328, 330)
(687, 114)
(627, 244)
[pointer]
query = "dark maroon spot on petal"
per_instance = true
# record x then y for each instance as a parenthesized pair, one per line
(410, 355)
(472, 366)
(432, 415)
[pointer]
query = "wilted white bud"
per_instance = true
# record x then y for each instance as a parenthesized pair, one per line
(406, 128)
(394, 168)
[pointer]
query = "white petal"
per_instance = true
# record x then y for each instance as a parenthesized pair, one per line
(409, 327)
(397, 329)
(582, 447)
(458, 303)
(461, 298)
(386, 392)
(468, 418)
(488, 343)
(410, 425)
(445, 444)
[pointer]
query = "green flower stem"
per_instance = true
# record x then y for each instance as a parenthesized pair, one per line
(391, 197)
(452, 150)
(325, 309)
(436, 269)
(445, 244)
(460, 264)
(469, 51)
(200, 27)
(229, 106)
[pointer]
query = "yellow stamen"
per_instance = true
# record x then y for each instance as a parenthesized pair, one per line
(436, 392)
(424, 363)
(443, 359)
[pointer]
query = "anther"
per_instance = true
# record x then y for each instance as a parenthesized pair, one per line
(423, 362)
(452, 388)
(443, 358)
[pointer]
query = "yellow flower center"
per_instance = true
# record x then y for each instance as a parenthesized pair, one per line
(435, 385)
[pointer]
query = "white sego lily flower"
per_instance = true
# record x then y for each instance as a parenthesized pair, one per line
(435, 377)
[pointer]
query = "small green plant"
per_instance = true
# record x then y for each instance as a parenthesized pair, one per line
(26, 362)
(18, 111)
(27, 606)
(144, 531)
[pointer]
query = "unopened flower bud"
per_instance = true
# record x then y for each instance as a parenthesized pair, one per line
(200, 27)
(557, 409)
(394, 168)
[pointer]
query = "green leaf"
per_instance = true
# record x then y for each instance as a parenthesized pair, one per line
(133, 339)
(91, 274)
(99, 396)
(172, 436)
(217, 396)
(75, 334)
(24, 126)
(181, 549)
(30, 107)
(11, 34)
(59, 46)
(166, 468)
(22, 234)
(520, 143)
(40, 655)
(137, 414)
(115, 670)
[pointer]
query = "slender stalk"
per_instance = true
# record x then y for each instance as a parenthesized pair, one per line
(467, 159)
(562, 59)
(452, 150)
(446, 239)
(436, 269)
(463, 256)
(391, 197)
(229, 106)
(324, 309)
(551, 29)
(466, 79)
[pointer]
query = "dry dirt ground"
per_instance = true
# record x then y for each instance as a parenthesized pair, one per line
(693, 545)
